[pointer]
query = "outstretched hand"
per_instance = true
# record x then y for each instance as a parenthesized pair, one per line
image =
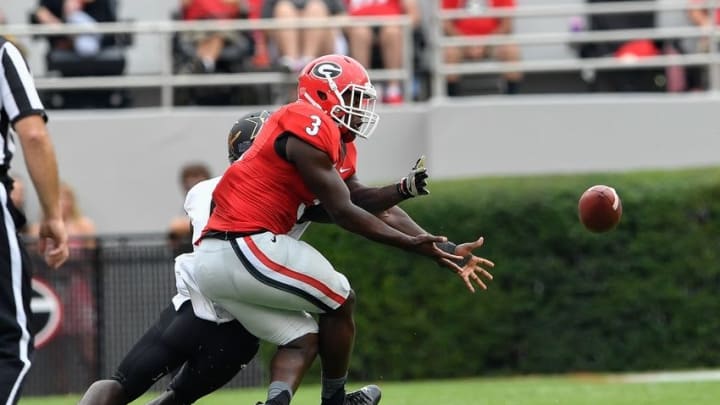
(425, 244)
(472, 267)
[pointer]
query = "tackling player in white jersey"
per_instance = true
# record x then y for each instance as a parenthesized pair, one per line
(210, 348)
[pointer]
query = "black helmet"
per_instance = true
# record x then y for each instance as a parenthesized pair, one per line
(243, 132)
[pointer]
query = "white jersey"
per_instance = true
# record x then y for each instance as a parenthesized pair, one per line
(197, 207)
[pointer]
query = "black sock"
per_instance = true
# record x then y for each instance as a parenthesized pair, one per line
(331, 386)
(511, 87)
(281, 399)
(453, 89)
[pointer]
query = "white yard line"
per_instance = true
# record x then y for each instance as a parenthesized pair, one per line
(669, 376)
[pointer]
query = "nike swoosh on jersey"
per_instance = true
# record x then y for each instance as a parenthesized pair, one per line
(344, 169)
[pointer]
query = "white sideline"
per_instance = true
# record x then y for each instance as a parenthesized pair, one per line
(671, 376)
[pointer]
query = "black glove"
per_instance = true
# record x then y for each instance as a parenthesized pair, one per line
(415, 183)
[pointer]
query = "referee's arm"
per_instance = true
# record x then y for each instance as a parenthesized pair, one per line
(41, 162)
(27, 117)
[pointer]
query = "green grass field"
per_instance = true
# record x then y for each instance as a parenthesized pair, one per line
(508, 391)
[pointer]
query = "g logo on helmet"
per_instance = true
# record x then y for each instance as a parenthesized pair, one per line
(326, 69)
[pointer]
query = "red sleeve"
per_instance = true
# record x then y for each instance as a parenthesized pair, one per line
(450, 4)
(349, 163)
(503, 3)
(314, 127)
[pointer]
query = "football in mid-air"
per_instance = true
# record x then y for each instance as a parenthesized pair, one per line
(600, 208)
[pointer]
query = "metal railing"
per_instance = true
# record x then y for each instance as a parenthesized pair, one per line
(440, 41)
(167, 80)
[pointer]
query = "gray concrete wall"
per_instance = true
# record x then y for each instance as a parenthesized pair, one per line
(573, 133)
(124, 164)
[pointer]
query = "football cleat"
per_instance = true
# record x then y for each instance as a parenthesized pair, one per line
(367, 395)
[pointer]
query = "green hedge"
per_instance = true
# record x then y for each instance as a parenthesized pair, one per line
(644, 296)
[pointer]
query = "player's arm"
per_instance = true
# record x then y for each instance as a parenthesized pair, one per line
(372, 199)
(384, 208)
(397, 218)
(378, 199)
(320, 175)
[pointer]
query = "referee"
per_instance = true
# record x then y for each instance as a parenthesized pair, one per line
(21, 110)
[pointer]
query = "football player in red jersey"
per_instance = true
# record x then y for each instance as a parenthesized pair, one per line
(207, 347)
(270, 281)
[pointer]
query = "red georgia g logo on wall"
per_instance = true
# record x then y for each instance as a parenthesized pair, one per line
(46, 312)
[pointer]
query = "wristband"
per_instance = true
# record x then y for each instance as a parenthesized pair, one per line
(400, 186)
(449, 247)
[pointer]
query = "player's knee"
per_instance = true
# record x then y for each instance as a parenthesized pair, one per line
(104, 392)
(343, 311)
(307, 344)
(349, 304)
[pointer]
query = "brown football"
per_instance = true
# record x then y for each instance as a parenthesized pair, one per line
(600, 208)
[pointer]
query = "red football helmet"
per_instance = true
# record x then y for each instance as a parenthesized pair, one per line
(340, 86)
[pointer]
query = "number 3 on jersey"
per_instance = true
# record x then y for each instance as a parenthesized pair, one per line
(314, 125)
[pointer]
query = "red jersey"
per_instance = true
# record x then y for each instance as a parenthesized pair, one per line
(210, 9)
(348, 163)
(374, 7)
(263, 191)
(478, 25)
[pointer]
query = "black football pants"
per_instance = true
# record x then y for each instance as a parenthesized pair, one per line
(210, 355)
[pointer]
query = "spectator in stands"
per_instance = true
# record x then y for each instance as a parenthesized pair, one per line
(80, 228)
(702, 17)
(209, 45)
(296, 47)
(88, 54)
(78, 12)
(363, 39)
(481, 27)
(629, 51)
(180, 232)
(79, 315)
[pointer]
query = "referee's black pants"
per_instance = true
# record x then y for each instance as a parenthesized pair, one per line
(16, 342)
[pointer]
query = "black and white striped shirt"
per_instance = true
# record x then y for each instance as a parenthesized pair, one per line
(18, 98)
